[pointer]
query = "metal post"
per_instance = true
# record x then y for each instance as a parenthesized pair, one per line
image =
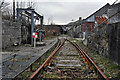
(34, 42)
(18, 16)
(13, 10)
(31, 67)
(32, 26)
(41, 21)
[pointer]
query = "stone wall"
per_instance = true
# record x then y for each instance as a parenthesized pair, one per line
(98, 41)
(106, 38)
(11, 33)
(106, 41)
(26, 34)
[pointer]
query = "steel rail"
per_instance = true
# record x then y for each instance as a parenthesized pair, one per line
(47, 61)
(90, 62)
(84, 55)
(99, 72)
(32, 63)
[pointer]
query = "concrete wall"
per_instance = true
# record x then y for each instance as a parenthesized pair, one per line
(11, 33)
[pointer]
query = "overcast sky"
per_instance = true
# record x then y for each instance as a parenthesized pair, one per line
(64, 11)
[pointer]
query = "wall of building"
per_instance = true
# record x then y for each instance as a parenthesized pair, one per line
(98, 41)
(74, 31)
(11, 33)
(114, 42)
(88, 24)
(26, 34)
(52, 30)
(105, 39)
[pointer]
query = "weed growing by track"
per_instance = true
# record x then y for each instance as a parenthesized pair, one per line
(110, 69)
(27, 73)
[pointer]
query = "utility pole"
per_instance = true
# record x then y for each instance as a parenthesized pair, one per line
(13, 10)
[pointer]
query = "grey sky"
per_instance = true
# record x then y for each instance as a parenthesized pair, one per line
(63, 11)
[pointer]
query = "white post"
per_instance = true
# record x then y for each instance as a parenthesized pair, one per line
(83, 36)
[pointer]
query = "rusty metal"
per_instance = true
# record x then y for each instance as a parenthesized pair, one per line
(90, 62)
(100, 73)
(30, 66)
(36, 73)
(87, 60)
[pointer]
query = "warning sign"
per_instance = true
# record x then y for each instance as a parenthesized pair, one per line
(35, 35)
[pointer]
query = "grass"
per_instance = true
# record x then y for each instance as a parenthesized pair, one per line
(49, 37)
(27, 73)
(48, 75)
(110, 68)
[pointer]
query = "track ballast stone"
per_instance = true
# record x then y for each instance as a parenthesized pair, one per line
(67, 63)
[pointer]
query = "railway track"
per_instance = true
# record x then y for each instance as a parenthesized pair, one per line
(68, 61)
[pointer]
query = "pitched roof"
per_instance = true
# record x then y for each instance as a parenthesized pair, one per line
(97, 11)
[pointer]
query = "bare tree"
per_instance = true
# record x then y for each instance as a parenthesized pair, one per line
(5, 10)
(3, 5)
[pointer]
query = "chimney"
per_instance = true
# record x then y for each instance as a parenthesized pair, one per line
(80, 18)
